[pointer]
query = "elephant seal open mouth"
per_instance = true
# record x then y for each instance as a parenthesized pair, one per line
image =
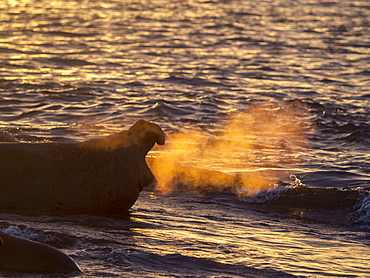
(98, 176)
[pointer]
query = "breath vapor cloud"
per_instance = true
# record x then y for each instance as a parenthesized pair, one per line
(246, 153)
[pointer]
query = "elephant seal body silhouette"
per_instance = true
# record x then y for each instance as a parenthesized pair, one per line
(21, 255)
(98, 176)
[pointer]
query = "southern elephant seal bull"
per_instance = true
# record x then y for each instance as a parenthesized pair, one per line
(98, 176)
(21, 255)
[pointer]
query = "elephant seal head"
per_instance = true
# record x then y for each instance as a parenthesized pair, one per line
(147, 134)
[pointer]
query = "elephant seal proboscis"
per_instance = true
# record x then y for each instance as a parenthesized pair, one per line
(25, 256)
(102, 175)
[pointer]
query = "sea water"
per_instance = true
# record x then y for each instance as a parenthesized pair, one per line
(292, 76)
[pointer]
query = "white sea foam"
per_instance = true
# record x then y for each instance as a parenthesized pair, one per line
(362, 214)
(275, 191)
(29, 234)
(22, 233)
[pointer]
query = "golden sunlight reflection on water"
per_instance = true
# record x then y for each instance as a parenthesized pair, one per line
(228, 81)
(280, 247)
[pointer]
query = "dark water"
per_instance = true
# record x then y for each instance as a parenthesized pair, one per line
(76, 70)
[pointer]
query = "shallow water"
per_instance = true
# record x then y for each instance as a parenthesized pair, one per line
(76, 70)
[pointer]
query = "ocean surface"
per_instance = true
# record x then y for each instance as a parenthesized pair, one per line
(272, 94)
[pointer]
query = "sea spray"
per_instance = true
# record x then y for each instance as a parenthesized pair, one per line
(275, 192)
(22, 233)
(362, 212)
(247, 154)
